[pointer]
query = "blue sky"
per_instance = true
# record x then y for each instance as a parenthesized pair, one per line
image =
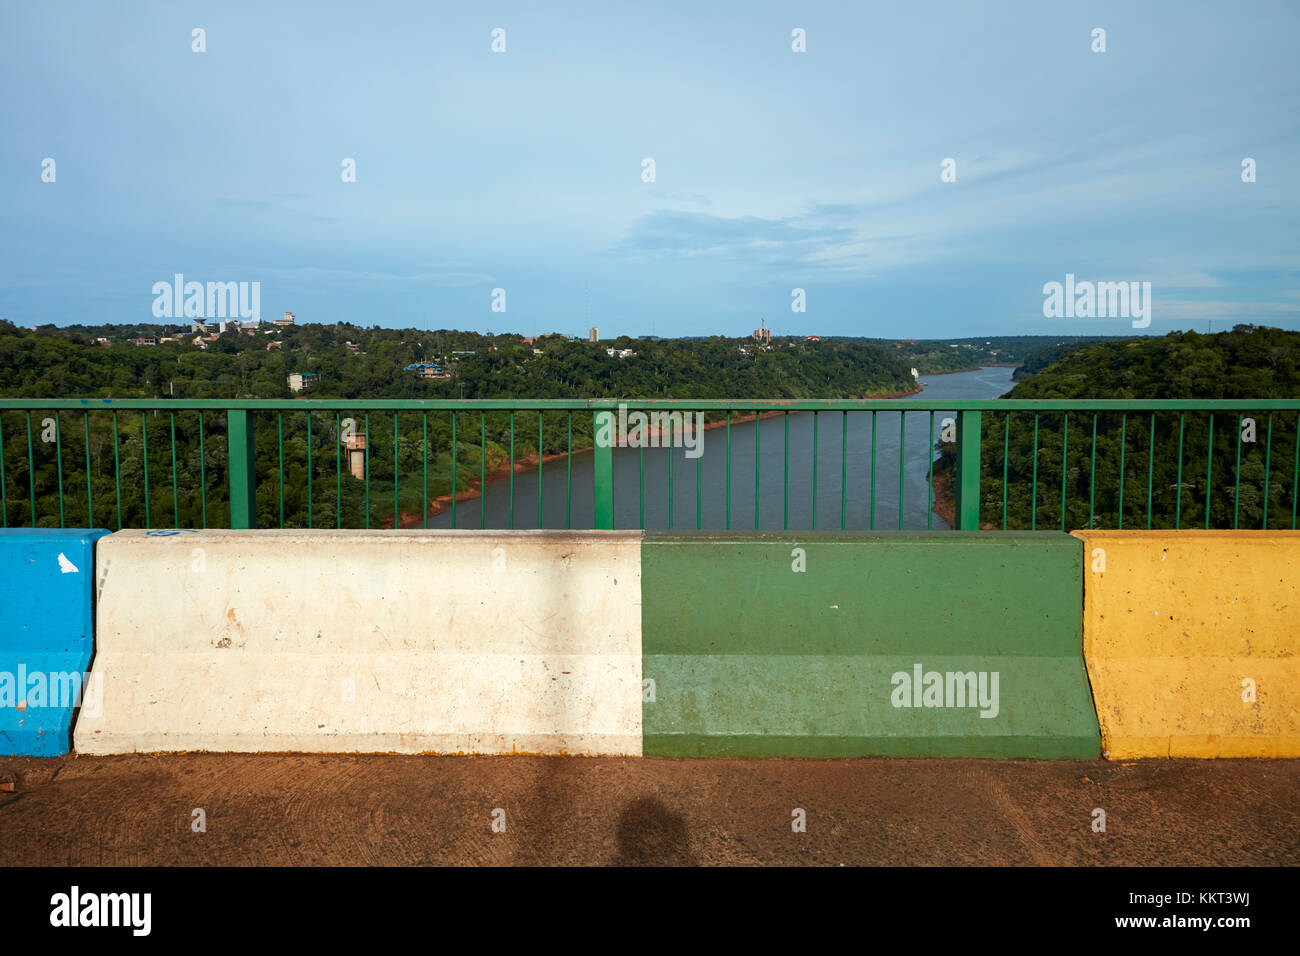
(774, 170)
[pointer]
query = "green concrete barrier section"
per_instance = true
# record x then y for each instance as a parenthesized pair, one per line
(850, 645)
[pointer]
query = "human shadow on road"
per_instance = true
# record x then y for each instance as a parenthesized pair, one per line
(648, 834)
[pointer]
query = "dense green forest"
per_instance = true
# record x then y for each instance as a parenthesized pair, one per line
(1038, 359)
(180, 457)
(929, 356)
(1186, 489)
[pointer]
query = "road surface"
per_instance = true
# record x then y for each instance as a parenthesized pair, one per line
(330, 809)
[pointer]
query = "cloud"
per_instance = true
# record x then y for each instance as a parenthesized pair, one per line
(262, 206)
(438, 279)
(679, 197)
(796, 241)
(1204, 309)
(1187, 280)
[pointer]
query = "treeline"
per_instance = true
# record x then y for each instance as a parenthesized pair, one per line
(929, 356)
(1180, 469)
(165, 468)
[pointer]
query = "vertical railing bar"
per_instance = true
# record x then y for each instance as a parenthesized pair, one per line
(58, 457)
(872, 519)
(602, 471)
(814, 474)
(1092, 479)
(1065, 461)
(366, 463)
(728, 506)
(424, 455)
(1033, 500)
(568, 477)
(90, 504)
(640, 455)
(785, 494)
(670, 473)
(844, 467)
(929, 495)
(4, 489)
(758, 428)
(699, 509)
(1006, 452)
(338, 471)
(176, 501)
(279, 441)
(144, 442)
(397, 516)
(512, 471)
(1268, 459)
(1295, 474)
(309, 469)
(970, 438)
(902, 435)
(117, 468)
(482, 471)
(1123, 435)
(1236, 494)
(203, 468)
(454, 494)
(1151, 467)
(31, 476)
(1209, 469)
(540, 456)
(1178, 499)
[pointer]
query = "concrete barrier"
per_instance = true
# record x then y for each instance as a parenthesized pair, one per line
(406, 641)
(845, 645)
(46, 580)
(1191, 640)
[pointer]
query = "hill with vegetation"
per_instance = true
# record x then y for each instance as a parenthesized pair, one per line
(180, 457)
(1193, 477)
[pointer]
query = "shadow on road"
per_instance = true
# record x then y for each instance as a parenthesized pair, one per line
(648, 834)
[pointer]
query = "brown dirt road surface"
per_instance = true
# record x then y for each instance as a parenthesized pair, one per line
(328, 809)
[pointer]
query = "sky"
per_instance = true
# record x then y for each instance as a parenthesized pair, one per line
(774, 169)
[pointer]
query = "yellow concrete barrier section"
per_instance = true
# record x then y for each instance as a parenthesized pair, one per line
(1190, 640)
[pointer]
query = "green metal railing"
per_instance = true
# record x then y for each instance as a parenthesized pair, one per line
(235, 463)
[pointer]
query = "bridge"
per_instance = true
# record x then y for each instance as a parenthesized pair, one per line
(1024, 632)
(256, 591)
(1014, 464)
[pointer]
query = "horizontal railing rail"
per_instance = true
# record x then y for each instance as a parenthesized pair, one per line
(654, 404)
(318, 463)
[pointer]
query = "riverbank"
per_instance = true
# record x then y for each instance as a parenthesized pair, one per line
(442, 503)
(945, 505)
(974, 368)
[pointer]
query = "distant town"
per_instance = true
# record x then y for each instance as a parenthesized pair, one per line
(343, 359)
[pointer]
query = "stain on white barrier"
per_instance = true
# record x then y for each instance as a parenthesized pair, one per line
(368, 641)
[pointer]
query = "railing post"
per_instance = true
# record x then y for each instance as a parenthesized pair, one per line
(243, 477)
(604, 436)
(967, 496)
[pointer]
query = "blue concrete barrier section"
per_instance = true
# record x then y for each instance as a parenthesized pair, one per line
(47, 590)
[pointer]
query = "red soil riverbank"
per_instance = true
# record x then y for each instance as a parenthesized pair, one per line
(441, 503)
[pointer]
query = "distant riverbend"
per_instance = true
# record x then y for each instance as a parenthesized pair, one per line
(758, 471)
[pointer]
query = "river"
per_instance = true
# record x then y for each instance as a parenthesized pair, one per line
(707, 474)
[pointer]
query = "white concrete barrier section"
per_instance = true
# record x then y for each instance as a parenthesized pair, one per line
(368, 641)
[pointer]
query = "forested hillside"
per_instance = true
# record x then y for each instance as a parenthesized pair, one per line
(1247, 362)
(180, 457)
